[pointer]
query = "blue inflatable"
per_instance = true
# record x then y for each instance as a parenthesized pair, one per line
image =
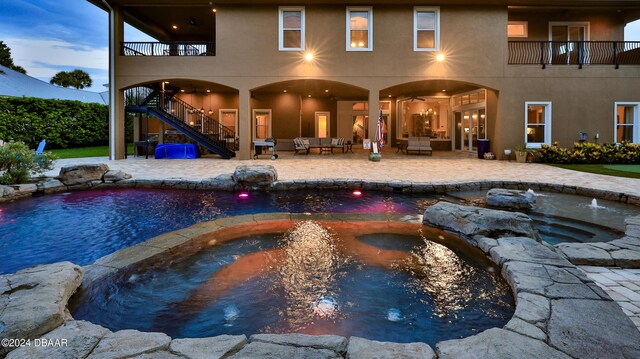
(177, 150)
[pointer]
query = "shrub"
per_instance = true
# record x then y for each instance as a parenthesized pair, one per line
(591, 153)
(17, 162)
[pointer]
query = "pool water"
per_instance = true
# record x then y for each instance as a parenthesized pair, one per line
(371, 280)
(83, 226)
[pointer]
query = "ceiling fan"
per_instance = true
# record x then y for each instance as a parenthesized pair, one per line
(414, 98)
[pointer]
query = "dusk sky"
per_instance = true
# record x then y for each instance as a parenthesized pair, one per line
(47, 36)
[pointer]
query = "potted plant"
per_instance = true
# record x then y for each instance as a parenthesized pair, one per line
(521, 154)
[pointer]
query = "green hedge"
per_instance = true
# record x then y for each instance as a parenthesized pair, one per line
(62, 123)
(591, 153)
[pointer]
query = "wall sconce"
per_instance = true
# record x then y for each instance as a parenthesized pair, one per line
(210, 111)
(308, 56)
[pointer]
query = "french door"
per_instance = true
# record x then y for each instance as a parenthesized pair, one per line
(568, 42)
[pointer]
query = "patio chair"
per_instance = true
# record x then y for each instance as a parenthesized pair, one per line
(301, 144)
(420, 144)
(337, 143)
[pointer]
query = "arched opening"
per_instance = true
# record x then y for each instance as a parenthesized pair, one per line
(308, 108)
(455, 115)
(184, 111)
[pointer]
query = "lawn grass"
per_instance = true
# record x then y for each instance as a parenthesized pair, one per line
(97, 151)
(629, 171)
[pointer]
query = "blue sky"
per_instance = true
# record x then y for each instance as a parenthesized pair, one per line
(47, 36)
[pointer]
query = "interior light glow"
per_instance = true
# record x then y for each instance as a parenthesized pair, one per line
(175, 27)
(308, 56)
(440, 57)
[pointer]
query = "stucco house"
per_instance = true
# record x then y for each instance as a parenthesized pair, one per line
(514, 72)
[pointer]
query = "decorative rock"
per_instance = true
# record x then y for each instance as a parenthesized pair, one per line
(52, 185)
(527, 277)
(472, 221)
(332, 342)
(76, 339)
(521, 327)
(592, 329)
(360, 348)
(526, 250)
(160, 355)
(510, 198)
(128, 343)
(626, 258)
(115, 176)
(255, 175)
(584, 253)
(36, 300)
(497, 343)
(80, 174)
(259, 350)
(6, 191)
(532, 308)
(216, 347)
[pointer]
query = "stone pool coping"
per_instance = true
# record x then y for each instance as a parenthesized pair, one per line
(560, 313)
(225, 183)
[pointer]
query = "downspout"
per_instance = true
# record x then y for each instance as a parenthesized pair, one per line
(112, 82)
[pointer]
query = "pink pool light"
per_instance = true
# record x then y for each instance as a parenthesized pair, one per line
(357, 193)
(243, 195)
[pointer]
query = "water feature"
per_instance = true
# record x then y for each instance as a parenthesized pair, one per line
(386, 281)
(594, 204)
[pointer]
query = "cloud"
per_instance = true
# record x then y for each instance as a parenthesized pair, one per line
(44, 58)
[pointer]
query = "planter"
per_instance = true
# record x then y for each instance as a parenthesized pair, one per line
(521, 157)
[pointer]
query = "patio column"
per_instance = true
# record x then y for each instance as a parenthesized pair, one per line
(117, 150)
(244, 124)
(374, 112)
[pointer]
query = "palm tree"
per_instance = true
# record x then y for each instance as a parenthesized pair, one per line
(76, 78)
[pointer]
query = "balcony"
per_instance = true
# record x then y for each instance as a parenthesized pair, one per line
(168, 48)
(578, 53)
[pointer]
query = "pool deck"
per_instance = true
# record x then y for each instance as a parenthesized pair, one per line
(623, 285)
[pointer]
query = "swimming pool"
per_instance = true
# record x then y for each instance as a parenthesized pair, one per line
(83, 226)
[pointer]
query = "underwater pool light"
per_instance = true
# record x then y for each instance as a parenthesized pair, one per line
(243, 195)
(357, 193)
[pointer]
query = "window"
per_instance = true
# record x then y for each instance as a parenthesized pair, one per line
(359, 29)
(537, 124)
(426, 28)
(627, 123)
(518, 29)
(291, 28)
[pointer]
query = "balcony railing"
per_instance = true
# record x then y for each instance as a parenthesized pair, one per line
(168, 48)
(574, 53)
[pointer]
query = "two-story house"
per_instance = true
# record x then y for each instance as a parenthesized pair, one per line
(512, 71)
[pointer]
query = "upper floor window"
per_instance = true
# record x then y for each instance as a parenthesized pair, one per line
(518, 29)
(627, 123)
(291, 28)
(426, 28)
(359, 29)
(537, 124)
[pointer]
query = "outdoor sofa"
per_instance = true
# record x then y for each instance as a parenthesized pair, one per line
(324, 144)
(419, 144)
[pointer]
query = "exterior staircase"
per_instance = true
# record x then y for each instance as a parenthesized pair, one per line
(185, 118)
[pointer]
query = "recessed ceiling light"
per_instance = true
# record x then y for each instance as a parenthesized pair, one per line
(326, 90)
(175, 27)
(284, 90)
(208, 90)
(308, 95)
(444, 90)
(181, 90)
(213, 10)
(389, 95)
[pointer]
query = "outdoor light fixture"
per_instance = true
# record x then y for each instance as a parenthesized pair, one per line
(440, 57)
(308, 56)
(357, 193)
